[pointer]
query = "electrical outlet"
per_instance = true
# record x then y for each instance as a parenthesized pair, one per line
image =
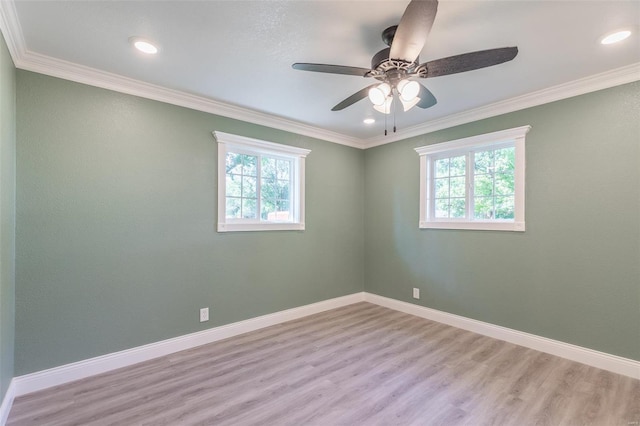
(204, 314)
(416, 293)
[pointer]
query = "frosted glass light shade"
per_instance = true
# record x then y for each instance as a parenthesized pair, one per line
(385, 108)
(378, 94)
(408, 90)
(407, 105)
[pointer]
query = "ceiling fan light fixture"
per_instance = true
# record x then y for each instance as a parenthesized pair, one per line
(398, 69)
(408, 90)
(378, 94)
(385, 107)
(615, 37)
(407, 105)
(369, 120)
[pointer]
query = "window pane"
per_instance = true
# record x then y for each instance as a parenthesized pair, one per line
(268, 168)
(458, 166)
(505, 184)
(283, 189)
(483, 208)
(483, 162)
(442, 208)
(234, 186)
(505, 208)
(267, 210)
(450, 187)
(457, 207)
(248, 208)
(442, 188)
(483, 185)
(234, 163)
(442, 167)
(284, 168)
(283, 210)
(267, 207)
(457, 187)
(276, 211)
(505, 160)
(283, 205)
(248, 187)
(249, 163)
(269, 189)
(233, 208)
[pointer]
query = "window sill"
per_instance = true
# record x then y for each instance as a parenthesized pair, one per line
(263, 226)
(479, 226)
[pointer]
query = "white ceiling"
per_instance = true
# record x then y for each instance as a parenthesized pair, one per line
(239, 53)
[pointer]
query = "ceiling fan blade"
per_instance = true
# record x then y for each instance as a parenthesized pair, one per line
(467, 62)
(332, 69)
(426, 98)
(413, 29)
(358, 96)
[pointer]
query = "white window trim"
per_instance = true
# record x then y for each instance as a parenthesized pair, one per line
(515, 137)
(240, 144)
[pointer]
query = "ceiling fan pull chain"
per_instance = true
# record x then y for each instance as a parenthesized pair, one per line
(395, 108)
(385, 124)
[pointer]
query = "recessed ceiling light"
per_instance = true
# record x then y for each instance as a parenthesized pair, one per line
(369, 120)
(615, 37)
(145, 46)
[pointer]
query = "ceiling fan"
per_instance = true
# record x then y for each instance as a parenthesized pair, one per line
(396, 66)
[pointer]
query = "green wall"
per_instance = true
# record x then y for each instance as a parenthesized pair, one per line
(574, 275)
(116, 225)
(116, 213)
(7, 214)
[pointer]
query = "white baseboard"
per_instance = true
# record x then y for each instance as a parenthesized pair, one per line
(78, 370)
(7, 401)
(613, 363)
(28, 383)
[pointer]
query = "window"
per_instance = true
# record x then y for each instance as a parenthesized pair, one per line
(260, 185)
(474, 183)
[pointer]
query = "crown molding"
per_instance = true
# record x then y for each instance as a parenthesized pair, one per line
(42, 64)
(11, 29)
(31, 61)
(605, 80)
(81, 74)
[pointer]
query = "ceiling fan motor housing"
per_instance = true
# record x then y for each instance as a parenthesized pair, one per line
(380, 58)
(383, 64)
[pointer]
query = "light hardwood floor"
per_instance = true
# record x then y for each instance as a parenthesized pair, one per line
(358, 365)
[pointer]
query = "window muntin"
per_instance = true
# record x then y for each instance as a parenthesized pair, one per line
(260, 185)
(474, 183)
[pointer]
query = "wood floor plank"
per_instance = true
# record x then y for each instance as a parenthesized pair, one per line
(356, 365)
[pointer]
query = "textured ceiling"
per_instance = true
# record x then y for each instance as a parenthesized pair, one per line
(240, 52)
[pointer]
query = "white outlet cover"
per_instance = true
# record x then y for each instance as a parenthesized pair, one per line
(416, 293)
(204, 314)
